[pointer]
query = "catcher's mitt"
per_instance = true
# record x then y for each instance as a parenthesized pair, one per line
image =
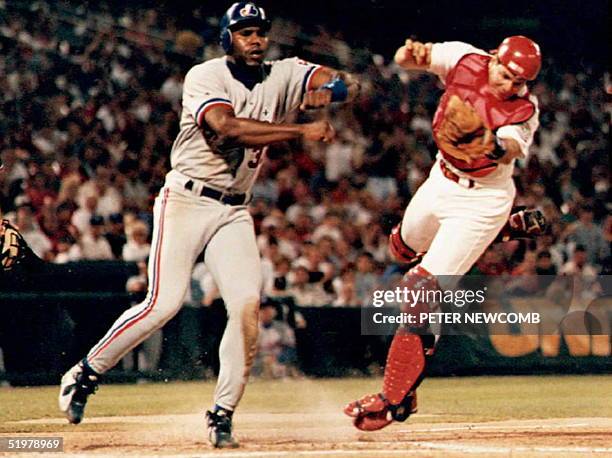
(462, 132)
(13, 247)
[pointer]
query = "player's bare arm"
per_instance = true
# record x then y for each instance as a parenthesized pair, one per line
(251, 133)
(329, 85)
(414, 55)
(508, 149)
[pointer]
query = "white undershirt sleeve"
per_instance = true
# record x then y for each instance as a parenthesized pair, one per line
(523, 133)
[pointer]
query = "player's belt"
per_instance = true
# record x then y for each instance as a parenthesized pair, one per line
(448, 173)
(228, 199)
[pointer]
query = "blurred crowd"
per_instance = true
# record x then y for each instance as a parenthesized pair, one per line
(89, 110)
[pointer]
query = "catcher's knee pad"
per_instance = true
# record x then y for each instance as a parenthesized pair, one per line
(400, 251)
(421, 281)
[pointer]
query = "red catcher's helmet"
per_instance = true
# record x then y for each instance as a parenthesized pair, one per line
(521, 56)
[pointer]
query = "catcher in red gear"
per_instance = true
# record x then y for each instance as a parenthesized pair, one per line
(485, 120)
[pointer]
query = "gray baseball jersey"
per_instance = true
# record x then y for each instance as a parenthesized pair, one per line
(186, 223)
(233, 169)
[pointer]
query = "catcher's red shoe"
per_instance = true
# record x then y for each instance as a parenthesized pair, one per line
(370, 412)
(373, 412)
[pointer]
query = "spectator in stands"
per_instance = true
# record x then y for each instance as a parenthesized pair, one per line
(544, 264)
(524, 281)
(545, 269)
(67, 250)
(365, 278)
(589, 235)
(81, 218)
(172, 88)
(137, 248)
(375, 242)
(115, 234)
(492, 262)
(134, 192)
(38, 241)
(380, 163)
(307, 289)
(345, 289)
(319, 268)
(63, 216)
(329, 227)
(69, 189)
(585, 287)
(288, 242)
(280, 283)
(39, 189)
(527, 266)
(93, 244)
(276, 354)
(109, 198)
(579, 264)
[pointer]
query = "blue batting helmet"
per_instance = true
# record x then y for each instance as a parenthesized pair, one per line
(242, 14)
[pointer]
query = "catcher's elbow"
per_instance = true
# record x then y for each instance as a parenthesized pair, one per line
(509, 157)
(513, 150)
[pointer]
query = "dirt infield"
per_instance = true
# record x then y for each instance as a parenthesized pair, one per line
(458, 416)
(331, 435)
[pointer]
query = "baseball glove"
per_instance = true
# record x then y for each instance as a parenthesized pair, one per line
(462, 132)
(13, 248)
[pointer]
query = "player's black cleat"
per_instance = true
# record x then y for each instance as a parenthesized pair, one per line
(77, 384)
(219, 423)
(407, 407)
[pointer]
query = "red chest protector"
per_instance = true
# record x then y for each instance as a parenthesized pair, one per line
(469, 80)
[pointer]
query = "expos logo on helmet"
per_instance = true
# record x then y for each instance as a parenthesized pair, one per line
(240, 15)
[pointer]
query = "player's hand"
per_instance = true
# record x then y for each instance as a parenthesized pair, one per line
(318, 131)
(316, 99)
(413, 52)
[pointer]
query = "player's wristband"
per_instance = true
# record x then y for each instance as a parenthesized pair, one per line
(338, 89)
(498, 152)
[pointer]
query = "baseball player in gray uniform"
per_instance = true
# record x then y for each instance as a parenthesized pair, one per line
(233, 107)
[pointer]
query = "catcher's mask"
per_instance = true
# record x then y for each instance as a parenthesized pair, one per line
(238, 16)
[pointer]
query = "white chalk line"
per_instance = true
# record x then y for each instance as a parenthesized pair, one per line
(501, 449)
(485, 427)
(173, 418)
(421, 447)
(259, 454)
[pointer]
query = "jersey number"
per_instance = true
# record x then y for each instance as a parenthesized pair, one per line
(253, 163)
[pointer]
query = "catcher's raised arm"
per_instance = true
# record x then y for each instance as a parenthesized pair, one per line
(414, 55)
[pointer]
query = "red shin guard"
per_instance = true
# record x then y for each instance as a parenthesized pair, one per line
(405, 364)
(406, 357)
(404, 368)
